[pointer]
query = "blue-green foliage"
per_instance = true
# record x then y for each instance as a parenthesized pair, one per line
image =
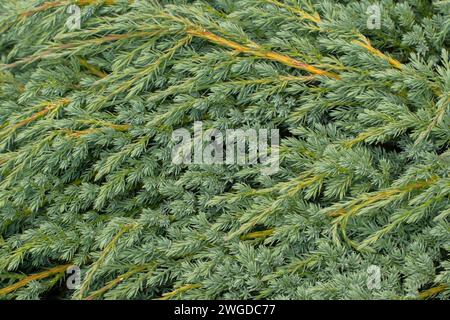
(86, 176)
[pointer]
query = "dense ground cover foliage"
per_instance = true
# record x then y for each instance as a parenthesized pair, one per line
(86, 177)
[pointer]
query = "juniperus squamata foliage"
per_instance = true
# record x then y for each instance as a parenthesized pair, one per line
(86, 177)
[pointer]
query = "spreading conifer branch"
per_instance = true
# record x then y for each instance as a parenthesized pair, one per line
(34, 277)
(178, 291)
(97, 264)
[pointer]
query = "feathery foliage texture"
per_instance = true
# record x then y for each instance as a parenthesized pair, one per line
(86, 176)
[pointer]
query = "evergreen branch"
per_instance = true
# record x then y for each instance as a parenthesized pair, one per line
(93, 69)
(286, 190)
(191, 85)
(432, 292)
(11, 275)
(257, 234)
(187, 287)
(148, 70)
(104, 124)
(259, 52)
(443, 105)
(255, 49)
(354, 206)
(49, 106)
(294, 267)
(363, 42)
(45, 6)
(98, 293)
(49, 5)
(33, 277)
(97, 264)
(96, 2)
(56, 48)
(298, 11)
(255, 220)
